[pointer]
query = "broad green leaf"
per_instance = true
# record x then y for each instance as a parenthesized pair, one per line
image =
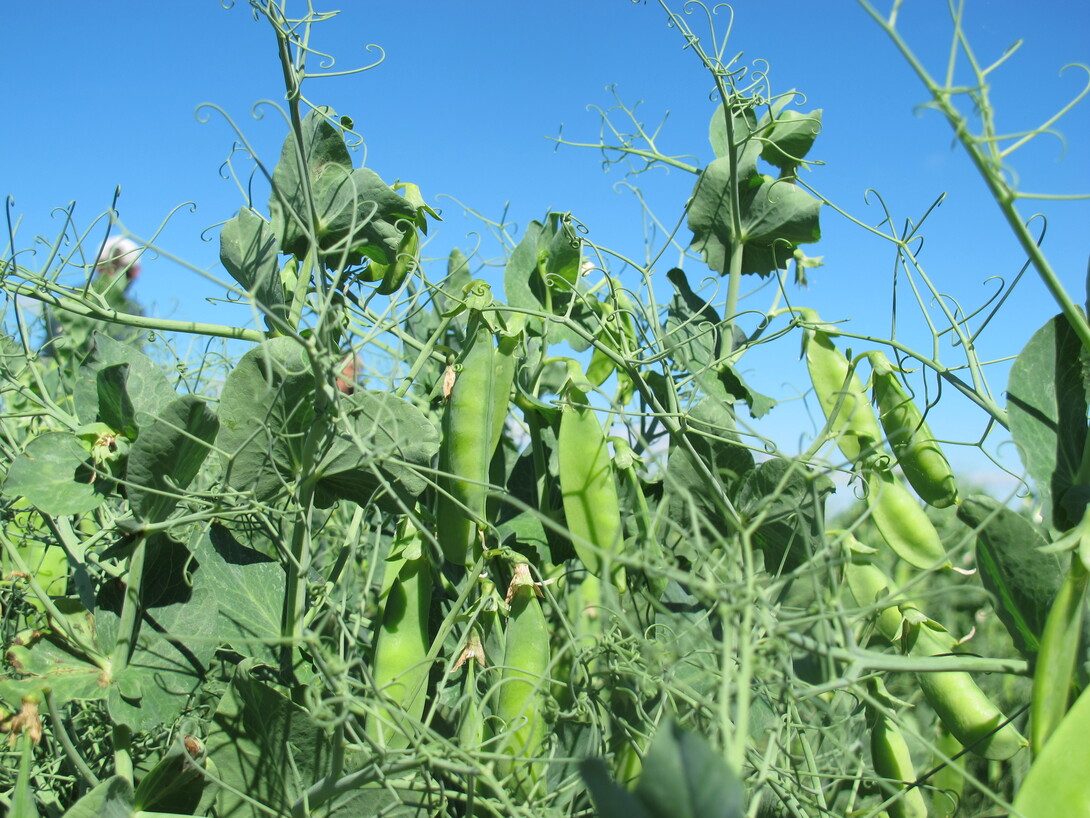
(146, 385)
(692, 499)
(357, 213)
(266, 413)
(611, 800)
(743, 124)
(53, 473)
(176, 784)
(115, 408)
(790, 138)
(1047, 405)
(521, 283)
(542, 274)
(268, 748)
(48, 666)
(1021, 580)
(378, 454)
(1057, 783)
(791, 499)
(775, 217)
(176, 641)
(112, 798)
(167, 456)
(684, 777)
(249, 590)
(249, 252)
(175, 644)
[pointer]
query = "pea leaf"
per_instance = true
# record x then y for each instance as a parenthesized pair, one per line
(112, 798)
(249, 252)
(791, 499)
(266, 413)
(542, 274)
(167, 456)
(690, 499)
(378, 454)
(356, 213)
(1021, 581)
(146, 385)
(53, 474)
(1047, 406)
(774, 216)
(683, 777)
(115, 408)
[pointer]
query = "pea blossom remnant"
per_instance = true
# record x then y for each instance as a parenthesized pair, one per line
(118, 255)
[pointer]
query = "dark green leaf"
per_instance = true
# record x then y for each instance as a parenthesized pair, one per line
(684, 777)
(791, 499)
(146, 385)
(115, 409)
(790, 138)
(175, 784)
(112, 798)
(53, 474)
(612, 800)
(1047, 404)
(1021, 580)
(378, 455)
(357, 214)
(249, 590)
(266, 413)
(692, 498)
(249, 252)
(774, 218)
(168, 455)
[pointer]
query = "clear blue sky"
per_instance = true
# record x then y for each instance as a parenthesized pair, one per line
(104, 94)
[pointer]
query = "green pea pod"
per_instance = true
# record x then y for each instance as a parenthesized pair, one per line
(918, 454)
(523, 685)
(869, 585)
(892, 759)
(400, 666)
(903, 523)
(588, 487)
(957, 700)
(503, 378)
(948, 783)
(466, 448)
(1059, 652)
(1057, 783)
(840, 394)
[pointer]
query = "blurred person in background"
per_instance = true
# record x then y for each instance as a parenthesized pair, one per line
(116, 268)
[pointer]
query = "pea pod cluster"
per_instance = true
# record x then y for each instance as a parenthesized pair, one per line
(589, 488)
(918, 453)
(957, 700)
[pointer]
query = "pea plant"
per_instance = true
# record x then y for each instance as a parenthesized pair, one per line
(440, 541)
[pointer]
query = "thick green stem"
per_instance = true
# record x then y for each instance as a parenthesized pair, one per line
(130, 611)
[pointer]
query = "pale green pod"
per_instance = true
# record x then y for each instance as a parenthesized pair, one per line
(588, 485)
(903, 523)
(918, 453)
(841, 395)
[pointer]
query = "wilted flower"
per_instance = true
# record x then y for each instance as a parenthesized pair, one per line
(117, 255)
